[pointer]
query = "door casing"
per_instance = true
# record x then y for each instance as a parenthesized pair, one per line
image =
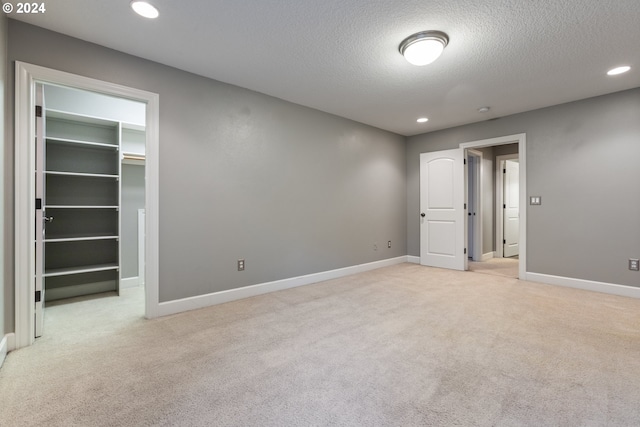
(26, 77)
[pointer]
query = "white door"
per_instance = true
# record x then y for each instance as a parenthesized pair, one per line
(511, 206)
(442, 210)
(471, 194)
(40, 214)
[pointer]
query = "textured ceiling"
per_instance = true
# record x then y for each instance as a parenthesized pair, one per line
(341, 56)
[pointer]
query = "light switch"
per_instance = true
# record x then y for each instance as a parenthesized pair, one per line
(535, 200)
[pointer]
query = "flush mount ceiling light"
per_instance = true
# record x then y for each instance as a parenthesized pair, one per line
(423, 48)
(145, 9)
(484, 109)
(422, 120)
(618, 70)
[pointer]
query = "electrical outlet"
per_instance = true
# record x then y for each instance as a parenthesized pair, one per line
(634, 264)
(240, 265)
(389, 244)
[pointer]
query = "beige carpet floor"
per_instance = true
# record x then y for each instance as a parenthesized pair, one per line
(507, 267)
(400, 346)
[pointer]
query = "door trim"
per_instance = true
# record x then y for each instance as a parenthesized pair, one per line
(500, 201)
(521, 140)
(26, 76)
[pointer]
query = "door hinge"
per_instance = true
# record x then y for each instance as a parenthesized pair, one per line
(465, 250)
(504, 171)
(38, 296)
(465, 161)
(38, 204)
(504, 206)
(504, 242)
(465, 206)
(38, 110)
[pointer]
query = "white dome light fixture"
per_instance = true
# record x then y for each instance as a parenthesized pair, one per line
(618, 70)
(144, 9)
(424, 47)
(422, 120)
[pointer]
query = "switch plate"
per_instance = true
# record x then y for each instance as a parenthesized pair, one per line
(240, 265)
(634, 264)
(535, 200)
(389, 244)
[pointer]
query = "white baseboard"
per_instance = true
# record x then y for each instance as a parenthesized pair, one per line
(129, 282)
(6, 345)
(587, 285)
(3, 350)
(201, 301)
(487, 256)
(413, 259)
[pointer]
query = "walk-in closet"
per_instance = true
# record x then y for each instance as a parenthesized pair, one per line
(90, 201)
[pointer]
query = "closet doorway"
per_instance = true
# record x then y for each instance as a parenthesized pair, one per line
(89, 194)
(86, 184)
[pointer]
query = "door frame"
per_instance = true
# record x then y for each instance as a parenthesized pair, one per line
(477, 201)
(521, 140)
(500, 201)
(26, 76)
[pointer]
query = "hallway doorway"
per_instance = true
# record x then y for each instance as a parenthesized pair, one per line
(486, 206)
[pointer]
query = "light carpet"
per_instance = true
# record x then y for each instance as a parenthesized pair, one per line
(405, 345)
(507, 267)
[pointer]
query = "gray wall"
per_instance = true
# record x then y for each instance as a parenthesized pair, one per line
(292, 190)
(132, 200)
(4, 291)
(582, 159)
(503, 150)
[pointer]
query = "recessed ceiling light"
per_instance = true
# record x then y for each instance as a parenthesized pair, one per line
(618, 70)
(145, 9)
(483, 109)
(423, 48)
(422, 120)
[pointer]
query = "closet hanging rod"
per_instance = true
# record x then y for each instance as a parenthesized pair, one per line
(132, 157)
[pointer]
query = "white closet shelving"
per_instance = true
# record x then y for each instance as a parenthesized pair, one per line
(82, 201)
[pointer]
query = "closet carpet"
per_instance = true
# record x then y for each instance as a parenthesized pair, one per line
(399, 346)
